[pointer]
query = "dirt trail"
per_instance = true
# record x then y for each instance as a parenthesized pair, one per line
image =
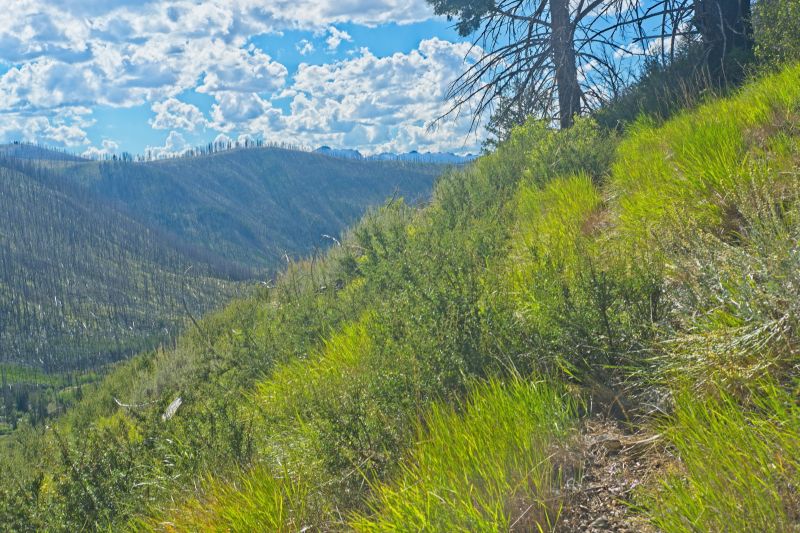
(613, 464)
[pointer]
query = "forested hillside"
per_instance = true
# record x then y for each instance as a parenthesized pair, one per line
(253, 206)
(85, 284)
(102, 260)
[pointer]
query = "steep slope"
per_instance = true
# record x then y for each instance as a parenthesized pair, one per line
(254, 206)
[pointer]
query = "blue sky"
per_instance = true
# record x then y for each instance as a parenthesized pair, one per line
(163, 75)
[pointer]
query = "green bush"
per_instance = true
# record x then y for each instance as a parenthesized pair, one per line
(776, 24)
(582, 306)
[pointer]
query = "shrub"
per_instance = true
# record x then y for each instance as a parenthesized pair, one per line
(744, 297)
(776, 24)
(581, 305)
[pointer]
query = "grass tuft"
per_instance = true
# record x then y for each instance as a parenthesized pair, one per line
(486, 469)
(740, 467)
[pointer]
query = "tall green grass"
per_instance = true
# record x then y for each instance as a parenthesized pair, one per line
(488, 468)
(553, 245)
(259, 501)
(710, 201)
(691, 170)
(739, 465)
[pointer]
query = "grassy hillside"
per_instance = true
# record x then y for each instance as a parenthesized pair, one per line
(439, 369)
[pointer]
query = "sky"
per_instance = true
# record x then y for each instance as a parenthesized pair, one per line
(101, 77)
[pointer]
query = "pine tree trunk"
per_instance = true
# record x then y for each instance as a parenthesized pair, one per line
(569, 92)
(724, 26)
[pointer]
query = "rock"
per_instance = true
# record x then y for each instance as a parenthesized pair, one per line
(611, 446)
(600, 523)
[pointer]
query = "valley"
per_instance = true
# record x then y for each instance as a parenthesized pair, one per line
(100, 260)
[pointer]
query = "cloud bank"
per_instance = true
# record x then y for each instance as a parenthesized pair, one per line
(60, 60)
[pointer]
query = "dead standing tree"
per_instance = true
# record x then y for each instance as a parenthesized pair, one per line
(724, 27)
(540, 50)
(564, 57)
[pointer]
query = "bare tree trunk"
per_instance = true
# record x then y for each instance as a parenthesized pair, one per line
(569, 92)
(724, 26)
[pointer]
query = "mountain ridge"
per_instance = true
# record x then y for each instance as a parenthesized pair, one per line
(25, 150)
(114, 245)
(444, 158)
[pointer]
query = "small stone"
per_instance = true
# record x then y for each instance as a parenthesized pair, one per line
(600, 523)
(612, 445)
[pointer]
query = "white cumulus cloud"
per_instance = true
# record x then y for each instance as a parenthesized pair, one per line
(374, 103)
(335, 38)
(66, 127)
(174, 114)
(174, 145)
(305, 47)
(107, 148)
(250, 70)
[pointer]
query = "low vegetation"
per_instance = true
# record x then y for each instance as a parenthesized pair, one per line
(738, 466)
(453, 481)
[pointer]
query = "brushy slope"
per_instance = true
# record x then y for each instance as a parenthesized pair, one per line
(428, 368)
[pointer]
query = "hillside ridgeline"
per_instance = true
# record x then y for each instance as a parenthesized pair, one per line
(100, 260)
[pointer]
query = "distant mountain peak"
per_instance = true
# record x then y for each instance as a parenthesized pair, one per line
(342, 153)
(447, 158)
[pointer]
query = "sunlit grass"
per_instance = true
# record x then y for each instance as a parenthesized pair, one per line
(551, 238)
(740, 465)
(260, 501)
(486, 469)
(690, 169)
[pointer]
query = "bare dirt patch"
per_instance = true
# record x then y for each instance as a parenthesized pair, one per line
(611, 463)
